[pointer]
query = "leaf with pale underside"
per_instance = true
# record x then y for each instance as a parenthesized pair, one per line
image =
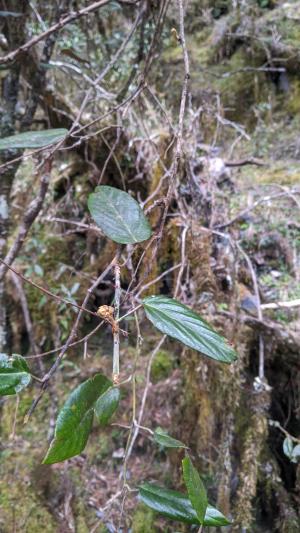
(296, 453)
(288, 447)
(118, 215)
(33, 139)
(14, 374)
(161, 437)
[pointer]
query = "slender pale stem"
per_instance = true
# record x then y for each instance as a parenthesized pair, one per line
(116, 352)
(129, 312)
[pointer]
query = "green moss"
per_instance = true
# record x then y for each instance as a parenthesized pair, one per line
(283, 173)
(143, 520)
(172, 54)
(18, 501)
(80, 517)
(200, 47)
(99, 446)
(55, 251)
(162, 366)
(287, 24)
(293, 103)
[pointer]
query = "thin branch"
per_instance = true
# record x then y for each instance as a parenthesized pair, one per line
(75, 223)
(267, 198)
(46, 291)
(183, 260)
(129, 312)
(261, 362)
(84, 339)
(56, 27)
(277, 305)
(26, 313)
(144, 399)
(152, 282)
(70, 339)
(277, 424)
(156, 238)
(243, 162)
(29, 217)
(13, 431)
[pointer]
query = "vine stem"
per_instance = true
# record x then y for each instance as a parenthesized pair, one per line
(116, 331)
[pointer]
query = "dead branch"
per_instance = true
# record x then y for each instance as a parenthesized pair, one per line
(29, 217)
(277, 305)
(70, 338)
(243, 162)
(44, 290)
(58, 26)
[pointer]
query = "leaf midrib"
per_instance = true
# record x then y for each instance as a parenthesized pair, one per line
(122, 220)
(205, 334)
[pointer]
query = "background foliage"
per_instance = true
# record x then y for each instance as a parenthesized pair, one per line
(230, 242)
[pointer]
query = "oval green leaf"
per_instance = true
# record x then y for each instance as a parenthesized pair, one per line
(180, 322)
(196, 490)
(75, 420)
(33, 139)
(14, 374)
(177, 506)
(118, 215)
(161, 437)
(106, 405)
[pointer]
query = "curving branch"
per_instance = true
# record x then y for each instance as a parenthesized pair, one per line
(29, 217)
(58, 26)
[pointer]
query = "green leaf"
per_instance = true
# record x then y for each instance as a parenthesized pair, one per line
(19, 363)
(162, 438)
(118, 215)
(106, 405)
(14, 374)
(75, 420)
(33, 139)
(181, 323)
(195, 488)
(288, 447)
(177, 506)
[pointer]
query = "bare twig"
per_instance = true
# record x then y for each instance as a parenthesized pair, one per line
(29, 217)
(261, 362)
(263, 200)
(26, 313)
(183, 260)
(46, 291)
(243, 162)
(277, 424)
(70, 339)
(277, 305)
(83, 340)
(152, 282)
(13, 431)
(144, 398)
(89, 227)
(56, 27)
